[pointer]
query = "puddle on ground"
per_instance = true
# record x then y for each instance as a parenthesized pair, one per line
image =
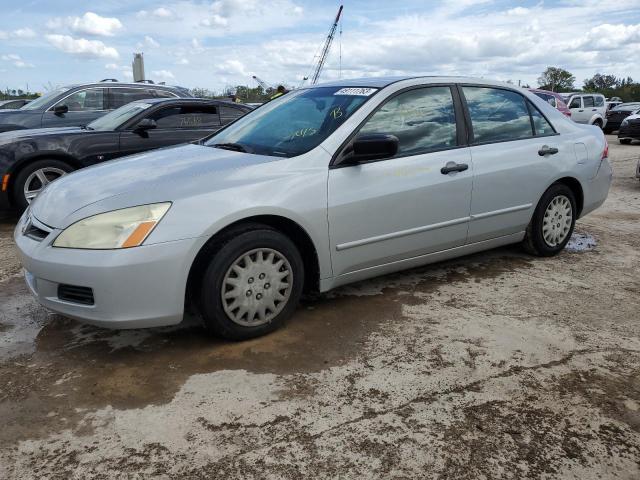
(581, 242)
(67, 367)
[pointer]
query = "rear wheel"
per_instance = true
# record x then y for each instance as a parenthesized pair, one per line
(252, 284)
(552, 223)
(34, 177)
(625, 141)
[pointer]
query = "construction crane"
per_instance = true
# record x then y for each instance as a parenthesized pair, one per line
(261, 82)
(325, 49)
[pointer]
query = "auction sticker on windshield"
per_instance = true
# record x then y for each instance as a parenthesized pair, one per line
(359, 91)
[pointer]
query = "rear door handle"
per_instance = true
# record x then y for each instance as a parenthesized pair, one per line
(453, 167)
(594, 110)
(547, 150)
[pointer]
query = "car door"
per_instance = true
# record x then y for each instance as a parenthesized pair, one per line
(575, 107)
(174, 125)
(405, 206)
(84, 106)
(509, 138)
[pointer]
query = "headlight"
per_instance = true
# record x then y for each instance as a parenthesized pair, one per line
(124, 228)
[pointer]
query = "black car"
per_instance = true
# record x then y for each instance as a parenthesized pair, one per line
(629, 130)
(30, 159)
(13, 104)
(80, 104)
(617, 114)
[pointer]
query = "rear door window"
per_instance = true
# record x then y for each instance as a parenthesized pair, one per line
(540, 124)
(187, 117)
(588, 101)
(85, 100)
(497, 115)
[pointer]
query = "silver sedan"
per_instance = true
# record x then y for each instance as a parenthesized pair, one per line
(321, 187)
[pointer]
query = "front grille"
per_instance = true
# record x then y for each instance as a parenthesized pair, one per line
(75, 294)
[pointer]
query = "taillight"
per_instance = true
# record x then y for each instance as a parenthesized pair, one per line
(605, 152)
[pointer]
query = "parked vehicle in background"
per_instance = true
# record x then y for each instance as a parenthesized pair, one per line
(31, 159)
(612, 104)
(318, 188)
(616, 115)
(554, 99)
(588, 108)
(629, 129)
(13, 104)
(80, 104)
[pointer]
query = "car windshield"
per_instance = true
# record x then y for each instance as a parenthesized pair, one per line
(44, 99)
(627, 107)
(113, 120)
(294, 123)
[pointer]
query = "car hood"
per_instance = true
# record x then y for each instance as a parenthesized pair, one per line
(161, 175)
(633, 117)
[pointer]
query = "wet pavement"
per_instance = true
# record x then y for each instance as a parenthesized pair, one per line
(496, 365)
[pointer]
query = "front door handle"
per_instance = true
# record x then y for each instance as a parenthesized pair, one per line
(594, 110)
(453, 167)
(581, 110)
(547, 150)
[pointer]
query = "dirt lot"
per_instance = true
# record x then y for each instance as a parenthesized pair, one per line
(496, 365)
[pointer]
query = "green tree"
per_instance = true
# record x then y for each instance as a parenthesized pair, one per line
(557, 80)
(601, 83)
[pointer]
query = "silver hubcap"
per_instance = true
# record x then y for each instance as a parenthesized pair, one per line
(40, 179)
(557, 221)
(256, 287)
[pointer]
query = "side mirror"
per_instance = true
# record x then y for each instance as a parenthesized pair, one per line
(145, 124)
(60, 109)
(374, 146)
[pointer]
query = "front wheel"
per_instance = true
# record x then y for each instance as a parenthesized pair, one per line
(32, 179)
(252, 284)
(552, 223)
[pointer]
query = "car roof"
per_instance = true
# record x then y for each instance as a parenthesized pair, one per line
(126, 84)
(381, 82)
(203, 101)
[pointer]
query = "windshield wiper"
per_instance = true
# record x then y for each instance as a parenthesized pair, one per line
(236, 147)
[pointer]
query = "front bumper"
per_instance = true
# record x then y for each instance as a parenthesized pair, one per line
(630, 130)
(132, 288)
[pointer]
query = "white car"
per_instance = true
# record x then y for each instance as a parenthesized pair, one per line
(589, 108)
(321, 187)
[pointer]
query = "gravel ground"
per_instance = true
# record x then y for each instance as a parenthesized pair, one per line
(496, 365)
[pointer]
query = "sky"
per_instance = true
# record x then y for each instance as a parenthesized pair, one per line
(217, 43)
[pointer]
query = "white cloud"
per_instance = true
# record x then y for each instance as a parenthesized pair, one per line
(3, 35)
(16, 60)
(162, 12)
(150, 42)
(182, 61)
(163, 75)
(82, 46)
(24, 33)
(89, 24)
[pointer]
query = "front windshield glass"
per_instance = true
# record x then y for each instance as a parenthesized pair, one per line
(44, 99)
(113, 120)
(294, 123)
(627, 107)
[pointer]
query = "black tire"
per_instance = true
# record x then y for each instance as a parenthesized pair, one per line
(534, 241)
(19, 198)
(625, 141)
(608, 131)
(598, 123)
(232, 245)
